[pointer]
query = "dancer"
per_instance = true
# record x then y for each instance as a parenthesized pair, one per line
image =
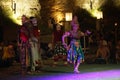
(75, 53)
(59, 51)
(35, 45)
(23, 43)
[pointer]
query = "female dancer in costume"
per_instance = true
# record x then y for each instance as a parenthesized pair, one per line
(75, 53)
(59, 51)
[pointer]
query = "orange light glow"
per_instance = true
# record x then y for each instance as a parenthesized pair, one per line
(14, 9)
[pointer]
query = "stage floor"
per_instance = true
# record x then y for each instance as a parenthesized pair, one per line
(87, 72)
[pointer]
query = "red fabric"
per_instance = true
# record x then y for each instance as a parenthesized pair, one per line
(35, 32)
(58, 36)
(56, 58)
(23, 37)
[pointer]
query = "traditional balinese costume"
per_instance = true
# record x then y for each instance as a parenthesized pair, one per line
(75, 52)
(24, 47)
(35, 45)
(35, 50)
(59, 51)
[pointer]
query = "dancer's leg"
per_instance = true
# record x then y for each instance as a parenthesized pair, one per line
(76, 67)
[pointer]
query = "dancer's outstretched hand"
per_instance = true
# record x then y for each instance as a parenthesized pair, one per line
(87, 32)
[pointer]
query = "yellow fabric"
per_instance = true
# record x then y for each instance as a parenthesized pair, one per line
(7, 53)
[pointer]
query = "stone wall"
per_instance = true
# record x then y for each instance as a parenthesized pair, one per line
(52, 8)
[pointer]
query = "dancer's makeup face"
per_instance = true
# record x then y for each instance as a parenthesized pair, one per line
(76, 27)
(58, 27)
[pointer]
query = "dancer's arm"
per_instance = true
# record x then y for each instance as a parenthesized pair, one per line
(87, 32)
(63, 38)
